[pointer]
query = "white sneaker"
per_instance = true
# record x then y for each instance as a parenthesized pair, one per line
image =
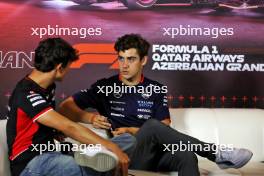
(100, 160)
(235, 158)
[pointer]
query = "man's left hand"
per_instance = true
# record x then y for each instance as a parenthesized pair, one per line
(119, 131)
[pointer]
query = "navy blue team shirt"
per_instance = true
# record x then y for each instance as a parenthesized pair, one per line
(124, 109)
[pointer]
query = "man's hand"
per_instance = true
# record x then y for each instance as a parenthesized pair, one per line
(122, 130)
(99, 121)
(119, 131)
(123, 160)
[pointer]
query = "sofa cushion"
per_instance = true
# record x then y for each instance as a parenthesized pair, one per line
(251, 169)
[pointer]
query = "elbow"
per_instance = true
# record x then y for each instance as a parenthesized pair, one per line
(63, 106)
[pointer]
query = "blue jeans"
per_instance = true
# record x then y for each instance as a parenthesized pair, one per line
(55, 163)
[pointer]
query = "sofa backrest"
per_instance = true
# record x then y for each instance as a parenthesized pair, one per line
(236, 127)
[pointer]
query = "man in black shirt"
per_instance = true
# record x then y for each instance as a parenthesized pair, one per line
(33, 122)
(132, 103)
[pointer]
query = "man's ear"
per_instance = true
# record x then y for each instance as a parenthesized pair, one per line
(59, 67)
(144, 60)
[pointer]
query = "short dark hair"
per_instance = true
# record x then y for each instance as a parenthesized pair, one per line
(53, 51)
(133, 41)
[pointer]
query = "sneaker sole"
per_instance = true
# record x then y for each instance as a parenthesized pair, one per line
(100, 162)
(237, 166)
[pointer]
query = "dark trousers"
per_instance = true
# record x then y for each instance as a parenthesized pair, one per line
(150, 153)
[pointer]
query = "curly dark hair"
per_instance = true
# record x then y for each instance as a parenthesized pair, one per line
(53, 51)
(132, 41)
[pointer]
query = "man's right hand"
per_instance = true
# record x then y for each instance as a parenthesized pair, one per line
(123, 160)
(99, 121)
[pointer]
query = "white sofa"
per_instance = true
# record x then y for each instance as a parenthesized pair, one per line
(239, 127)
(4, 163)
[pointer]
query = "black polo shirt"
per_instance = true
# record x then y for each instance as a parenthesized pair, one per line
(27, 103)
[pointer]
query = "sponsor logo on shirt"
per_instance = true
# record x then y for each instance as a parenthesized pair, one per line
(117, 95)
(145, 116)
(117, 115)
(117, 108)
(36, 99)
(145, 95)
(144, 110)
(145, 104)
(32, 95)
(165, 101)
(117, 102)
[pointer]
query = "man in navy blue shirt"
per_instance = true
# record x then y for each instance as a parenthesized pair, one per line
(131, 103)
(125, 109)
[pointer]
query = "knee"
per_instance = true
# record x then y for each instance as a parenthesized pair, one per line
(53, 163)
(60, 162)
(149, 128)
(126, 142)
(130, 140)
(152, 123)
(64, 160)
(131, 143)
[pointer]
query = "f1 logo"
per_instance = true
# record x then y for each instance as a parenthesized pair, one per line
(94, 53)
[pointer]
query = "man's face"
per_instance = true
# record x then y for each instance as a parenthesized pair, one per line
(130, 64)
